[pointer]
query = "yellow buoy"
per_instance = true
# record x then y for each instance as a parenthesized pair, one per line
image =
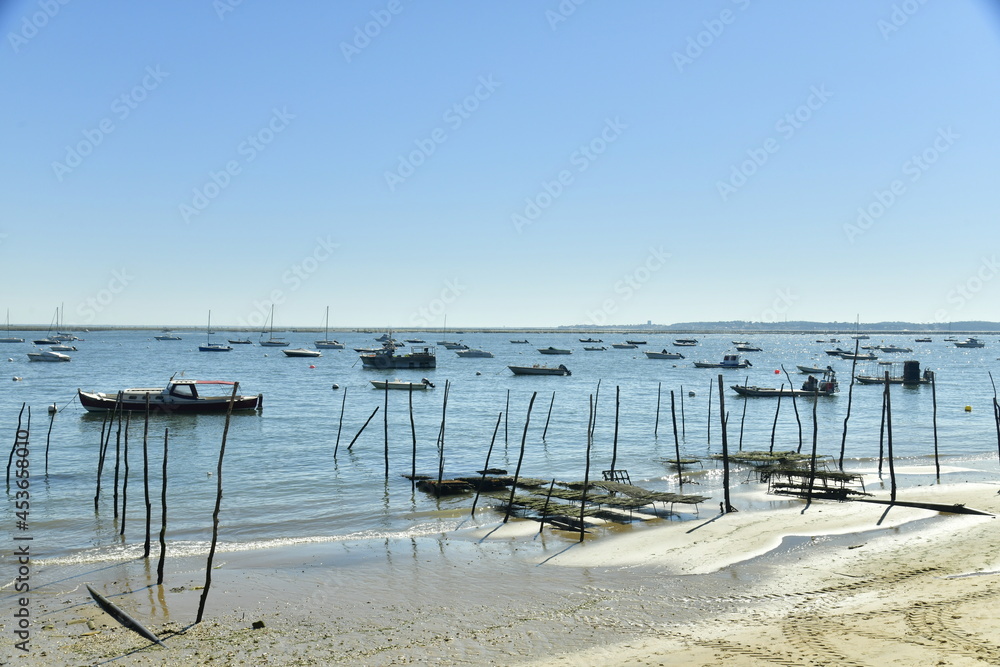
(968, 408)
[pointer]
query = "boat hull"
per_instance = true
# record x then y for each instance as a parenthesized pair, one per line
(104, 402)
(539, 370)
(302, 352)
(756, 392)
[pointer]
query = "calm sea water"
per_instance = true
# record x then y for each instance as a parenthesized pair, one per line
(283, 484)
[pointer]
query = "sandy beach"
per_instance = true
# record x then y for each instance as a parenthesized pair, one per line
(792, 584)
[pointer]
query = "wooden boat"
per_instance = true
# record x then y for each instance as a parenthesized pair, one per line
(811, 387)
(663, 354)
(48, 355)
(386, 357)
(539, 370)
(554, 350)
(179, 396)
(403, 384)
(302, 352)
(728, 361)
(327, 343)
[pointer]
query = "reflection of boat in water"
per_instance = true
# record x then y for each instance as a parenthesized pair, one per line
(539, 370)
(180, 396)
(403, 384)
(663, 354)
(418, 357)
(811, 387)
(728, 361)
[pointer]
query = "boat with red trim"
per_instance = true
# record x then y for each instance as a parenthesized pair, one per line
(179, 396)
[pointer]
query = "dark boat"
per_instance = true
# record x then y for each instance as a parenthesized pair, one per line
(179, 396)
(387, 357)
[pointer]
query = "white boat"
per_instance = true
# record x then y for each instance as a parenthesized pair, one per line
(894, 348)
(473, 352)
(48, 355)
(746, 347)
(302, 352)
(539, 370)
(685, 342)
(554, 350)
(663, 354)
(728, 361)
(861, 356)
(813, 369)
(9, 338)
(209, 346)
(970, 342)
(62, 348)
(327, 343)
(454, 346)
(403, 384)
(271, 340)
(167, 336)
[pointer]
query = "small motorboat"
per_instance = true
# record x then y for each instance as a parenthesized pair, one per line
(539, 370)
(48, 355)
(728, 361)
(811, 387)
(970, 342)
(624, 346)
(302, 352)
(554, 350)
(686, 342)
(473, 352)
(663, 354)
(594, 348)
(405, 385)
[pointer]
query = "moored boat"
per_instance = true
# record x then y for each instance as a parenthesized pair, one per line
(474, 352)
(663, 354)
(302, 352)
(539, 370)
(403, 384)
(970, 342)
(686, 342)
(728, 361)
(179, 396)
(554, 350)
(386, 357)
(594, 348)
(811, 387)
(624, 346)
(48, 355)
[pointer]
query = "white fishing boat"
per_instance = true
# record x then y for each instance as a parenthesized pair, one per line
(970, 342)
(893, 348)
(685, 342)
(663, 354)
(728, 361)
(48, 355)
(402, 384)
(167, 336)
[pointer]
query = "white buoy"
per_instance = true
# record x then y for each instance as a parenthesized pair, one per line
(335, 386)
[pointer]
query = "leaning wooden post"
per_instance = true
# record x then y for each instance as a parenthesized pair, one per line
(744, 417)
(614, 446)
(888, 429)
(520, 458)
(881, 437)
(486, 466)
(506, 411)
(218, 508)
(725, 448)
(996, 410)
(683, 427)
(656, 424)
(774, 426)
(385, 427)
(677, 443)
(340, 426)
(52, 420)
(812, 459)
(13, 448)
(586, 471)
(362, 428)
(545, 508)
(145, 480)
(163, 512)
(551, 403)
(100, 459)
(937, 462)
(106, 442)
(444, 413)
(118, 460)
(850, 395)
(795, 406)
(709, 421)
(128, 422)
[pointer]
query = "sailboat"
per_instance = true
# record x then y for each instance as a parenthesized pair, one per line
(49, 338)
(447, 342)
(272, 341)
(326, 343)
(9, 338)
(209, 346)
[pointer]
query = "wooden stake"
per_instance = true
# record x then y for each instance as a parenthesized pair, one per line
(777, 409)
(677, 443)
(725, 448)
(551, 403)
(100, 459)
(812, 459)
(48, 436)
(795, 407)
(340, 426)
(145, 480)
(506, 411)
(614, 446)
(937, 461)
(683, 428)
(520, 458)
(118, 459)
(850, 395)
(545, 507)
(218, 508)
(413, 432)
(444, 412)
(128, 421)
(709, 421)
(586, 471)
(486, 466)
(13, 448)
(881, 437)
(385, 427)
(163, 512)
(888, 429)
(656, 424)
(744, 417)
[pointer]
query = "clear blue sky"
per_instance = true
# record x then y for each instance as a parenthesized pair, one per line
(500, 163)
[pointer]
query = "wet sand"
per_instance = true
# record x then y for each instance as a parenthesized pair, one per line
(824, 584)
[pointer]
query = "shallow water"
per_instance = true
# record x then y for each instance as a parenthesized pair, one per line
(283, 484)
